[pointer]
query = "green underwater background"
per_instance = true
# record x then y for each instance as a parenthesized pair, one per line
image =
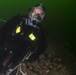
(60, 21)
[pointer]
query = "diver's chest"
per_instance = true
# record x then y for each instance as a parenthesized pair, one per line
(24, 33)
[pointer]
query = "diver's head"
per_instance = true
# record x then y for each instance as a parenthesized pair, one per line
(37, 13)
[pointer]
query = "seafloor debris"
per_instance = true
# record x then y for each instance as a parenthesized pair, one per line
(45, 65)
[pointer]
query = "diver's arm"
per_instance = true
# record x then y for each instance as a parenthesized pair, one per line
(10, 24)
(40, 45)
(8, 27)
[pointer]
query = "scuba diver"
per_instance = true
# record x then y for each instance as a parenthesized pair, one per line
(20, 36)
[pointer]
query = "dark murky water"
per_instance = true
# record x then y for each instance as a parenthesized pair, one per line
(64, 52)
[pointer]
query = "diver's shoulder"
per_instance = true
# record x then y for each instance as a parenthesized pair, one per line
(20, 16)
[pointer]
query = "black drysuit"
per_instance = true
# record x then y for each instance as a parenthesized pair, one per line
(17, 37)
